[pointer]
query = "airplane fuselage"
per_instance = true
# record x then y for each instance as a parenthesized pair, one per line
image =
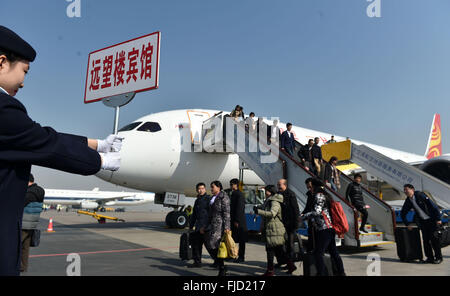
(95, 198)
(157, 154)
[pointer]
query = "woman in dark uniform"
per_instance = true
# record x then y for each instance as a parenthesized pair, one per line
(24, 143)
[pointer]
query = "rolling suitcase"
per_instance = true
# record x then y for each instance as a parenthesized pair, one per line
(309, 265)
(299, 253)
(309, 262)
(409, 246)
(185, 246)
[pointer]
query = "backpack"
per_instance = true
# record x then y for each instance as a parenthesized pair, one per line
(339, 223)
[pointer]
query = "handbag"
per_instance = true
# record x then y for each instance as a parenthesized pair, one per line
(232, 249)
(443, 235)
(223, 252)
(35, 238)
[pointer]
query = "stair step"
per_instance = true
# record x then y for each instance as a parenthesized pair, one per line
(375, 243)
(371, 233)
(369, 227)
(370, 237)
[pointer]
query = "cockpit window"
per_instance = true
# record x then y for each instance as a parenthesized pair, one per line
(130, 126)
(151, 127)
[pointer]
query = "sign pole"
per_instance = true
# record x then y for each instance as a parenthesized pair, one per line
(116, 102)
(116, 120)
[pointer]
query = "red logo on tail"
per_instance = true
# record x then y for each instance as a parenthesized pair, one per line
(434, 147)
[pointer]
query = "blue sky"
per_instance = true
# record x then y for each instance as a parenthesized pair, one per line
(321, 64)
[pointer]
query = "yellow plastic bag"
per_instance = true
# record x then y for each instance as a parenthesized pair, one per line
(223, 253)
(232, 249)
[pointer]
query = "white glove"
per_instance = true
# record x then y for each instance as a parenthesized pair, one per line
(111, 143)
(110, 161)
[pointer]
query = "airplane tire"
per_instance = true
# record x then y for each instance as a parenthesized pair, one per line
(169, 220)
(180, 220)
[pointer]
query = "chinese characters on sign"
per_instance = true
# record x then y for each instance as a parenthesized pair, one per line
(390, 169)
(131, 66)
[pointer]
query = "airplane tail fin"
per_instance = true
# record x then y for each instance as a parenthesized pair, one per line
(434, 146)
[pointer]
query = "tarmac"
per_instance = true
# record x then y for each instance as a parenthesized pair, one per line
(144, 246)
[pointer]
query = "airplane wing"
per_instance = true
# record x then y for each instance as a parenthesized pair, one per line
(114, 198)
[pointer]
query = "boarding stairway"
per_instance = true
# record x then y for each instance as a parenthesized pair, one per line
(397, 173)
(222, 134)
(381, 221)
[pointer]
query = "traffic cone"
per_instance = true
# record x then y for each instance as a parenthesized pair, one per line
(50, 226)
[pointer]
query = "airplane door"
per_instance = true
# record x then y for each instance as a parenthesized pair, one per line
(196, 119)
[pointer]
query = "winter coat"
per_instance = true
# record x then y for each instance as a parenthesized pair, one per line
(219, 220)
(425, 204)
(287, 142)
(33, 206)
(273, 229)
(331, 173)
(24, 143)
(237, 209)
(316, 152)
(200, 214)
(309, 202)
(303, 153)
(237, 214)
(320, 208)
(290, 200)
(354, 194)
(31, 215)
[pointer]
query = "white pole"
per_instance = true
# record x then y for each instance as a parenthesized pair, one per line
(116, 119)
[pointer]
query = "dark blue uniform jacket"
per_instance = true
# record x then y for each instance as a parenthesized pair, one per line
(287, 142)
(425, 203)
(24, 143)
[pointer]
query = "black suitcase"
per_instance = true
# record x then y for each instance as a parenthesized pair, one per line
(185, 246)
(299, 252)
(309, 265)
(409, 245)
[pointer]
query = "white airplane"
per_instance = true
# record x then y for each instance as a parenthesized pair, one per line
(154, 157)
(95, 199)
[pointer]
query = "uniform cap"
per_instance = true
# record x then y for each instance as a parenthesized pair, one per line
(12, 42)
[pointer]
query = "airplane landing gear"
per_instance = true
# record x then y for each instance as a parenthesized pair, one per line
(177, 219)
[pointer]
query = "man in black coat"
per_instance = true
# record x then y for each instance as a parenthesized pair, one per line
(291, 219)
(354, 195)
(238, 222)
(305, 155)
(308, 208)
(287, 140)
(316, 159)
(24, 143)
(199, 220)
(427, 217)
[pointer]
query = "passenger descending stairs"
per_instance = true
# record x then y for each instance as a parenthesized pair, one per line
(380, 213)
(220, 135)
